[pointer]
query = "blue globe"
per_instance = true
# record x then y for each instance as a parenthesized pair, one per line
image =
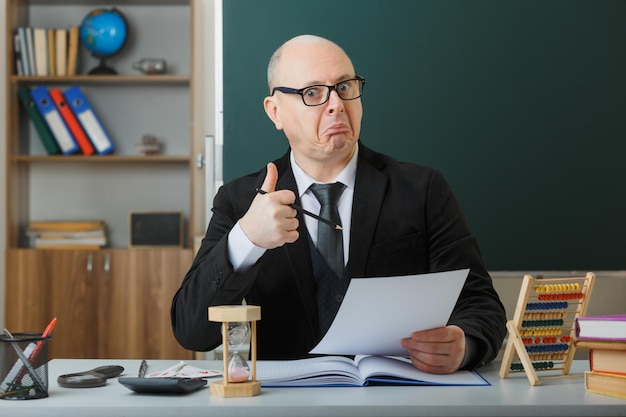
(103, 32)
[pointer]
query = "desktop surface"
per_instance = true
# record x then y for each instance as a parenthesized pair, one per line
(513, 396)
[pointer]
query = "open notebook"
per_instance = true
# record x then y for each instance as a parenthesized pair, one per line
(362, 371)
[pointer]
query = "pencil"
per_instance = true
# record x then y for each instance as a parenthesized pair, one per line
(308, 213)
(142, 369)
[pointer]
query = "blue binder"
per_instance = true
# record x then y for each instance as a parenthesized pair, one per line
(87, 118)
(54, 120)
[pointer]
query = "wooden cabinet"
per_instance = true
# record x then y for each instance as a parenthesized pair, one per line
(113, 302)
(108, 303)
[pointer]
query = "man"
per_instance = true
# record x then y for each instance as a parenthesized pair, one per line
(396, 219)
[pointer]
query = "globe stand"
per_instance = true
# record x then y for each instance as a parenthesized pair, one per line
(102, 69)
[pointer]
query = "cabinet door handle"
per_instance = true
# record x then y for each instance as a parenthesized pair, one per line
(107, 262)
(90, 263)
(200, 161)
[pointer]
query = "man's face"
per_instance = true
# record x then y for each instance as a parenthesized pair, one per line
(321, 133)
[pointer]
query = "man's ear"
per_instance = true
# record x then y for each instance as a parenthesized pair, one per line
(271, 109)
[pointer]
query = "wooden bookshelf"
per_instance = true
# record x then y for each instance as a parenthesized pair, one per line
(107, 187)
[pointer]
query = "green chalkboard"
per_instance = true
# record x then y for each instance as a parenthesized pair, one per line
(520, 103)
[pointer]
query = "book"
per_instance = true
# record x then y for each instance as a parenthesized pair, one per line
(604, 383)
(48, 140)
(91, 242)
(360, 371)
(610, 327)
(600, 344)
(54, 234)
(30, 47)
(53, 118)
(72, 50)
(52, 70)
(69, 246)
(40, 42)
(23, 41)
(60, 38)
(66, 226)
(19, 69)
(71, 122)
(607, 361)
(83, 111)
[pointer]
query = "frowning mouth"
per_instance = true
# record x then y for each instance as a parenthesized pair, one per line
(337, 128)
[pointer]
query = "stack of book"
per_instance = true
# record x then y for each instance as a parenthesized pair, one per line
(605, 337)
(46, 51)
(67, 234)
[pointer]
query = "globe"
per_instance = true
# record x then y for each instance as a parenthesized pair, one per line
(104, 33)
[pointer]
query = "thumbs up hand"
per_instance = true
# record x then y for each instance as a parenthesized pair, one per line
(270, 222)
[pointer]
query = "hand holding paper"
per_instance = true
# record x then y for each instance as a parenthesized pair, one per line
(377, 313)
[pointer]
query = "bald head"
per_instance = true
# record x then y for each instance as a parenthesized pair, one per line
(300, 47)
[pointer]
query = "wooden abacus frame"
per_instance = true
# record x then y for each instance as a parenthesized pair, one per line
(541, 333)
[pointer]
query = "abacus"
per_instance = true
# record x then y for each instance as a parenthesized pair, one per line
(542, 330)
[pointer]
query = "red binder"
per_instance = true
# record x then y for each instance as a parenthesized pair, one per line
(72, 122)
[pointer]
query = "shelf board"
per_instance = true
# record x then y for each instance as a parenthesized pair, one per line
(110, 3)
(101, 159)
(103, 79)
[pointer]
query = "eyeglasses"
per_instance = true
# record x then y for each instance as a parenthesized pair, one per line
(316, 95)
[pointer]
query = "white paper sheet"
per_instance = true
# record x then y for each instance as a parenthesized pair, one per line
(377, 313)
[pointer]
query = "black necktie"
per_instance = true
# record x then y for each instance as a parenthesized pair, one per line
(329, 239)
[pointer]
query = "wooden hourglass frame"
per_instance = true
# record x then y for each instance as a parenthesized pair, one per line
(231, 314)
(541, 334)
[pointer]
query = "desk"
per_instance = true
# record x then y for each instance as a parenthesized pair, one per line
(509, 397)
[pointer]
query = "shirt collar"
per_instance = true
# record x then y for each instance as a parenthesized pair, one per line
(347, 176)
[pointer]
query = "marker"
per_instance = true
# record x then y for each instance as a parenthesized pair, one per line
(38, 347)
(308, 213)
(49, 328)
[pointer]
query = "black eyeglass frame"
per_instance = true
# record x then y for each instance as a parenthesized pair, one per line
(300, 91)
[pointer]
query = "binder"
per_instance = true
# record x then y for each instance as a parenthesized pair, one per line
(71, 122)
(94, 129)
(53, 118)
(40, 124)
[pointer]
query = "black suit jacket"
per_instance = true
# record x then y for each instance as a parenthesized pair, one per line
(405, 220)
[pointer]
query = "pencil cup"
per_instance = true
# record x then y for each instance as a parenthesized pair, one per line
(23, 366)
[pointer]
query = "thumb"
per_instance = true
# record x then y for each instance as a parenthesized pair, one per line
(269, 184)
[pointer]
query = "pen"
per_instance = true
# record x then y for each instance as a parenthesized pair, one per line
(308, 213)
(142, 368)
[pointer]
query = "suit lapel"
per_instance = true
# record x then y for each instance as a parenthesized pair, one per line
(369, 191)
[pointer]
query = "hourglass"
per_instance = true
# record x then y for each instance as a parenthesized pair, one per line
(237, 322)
